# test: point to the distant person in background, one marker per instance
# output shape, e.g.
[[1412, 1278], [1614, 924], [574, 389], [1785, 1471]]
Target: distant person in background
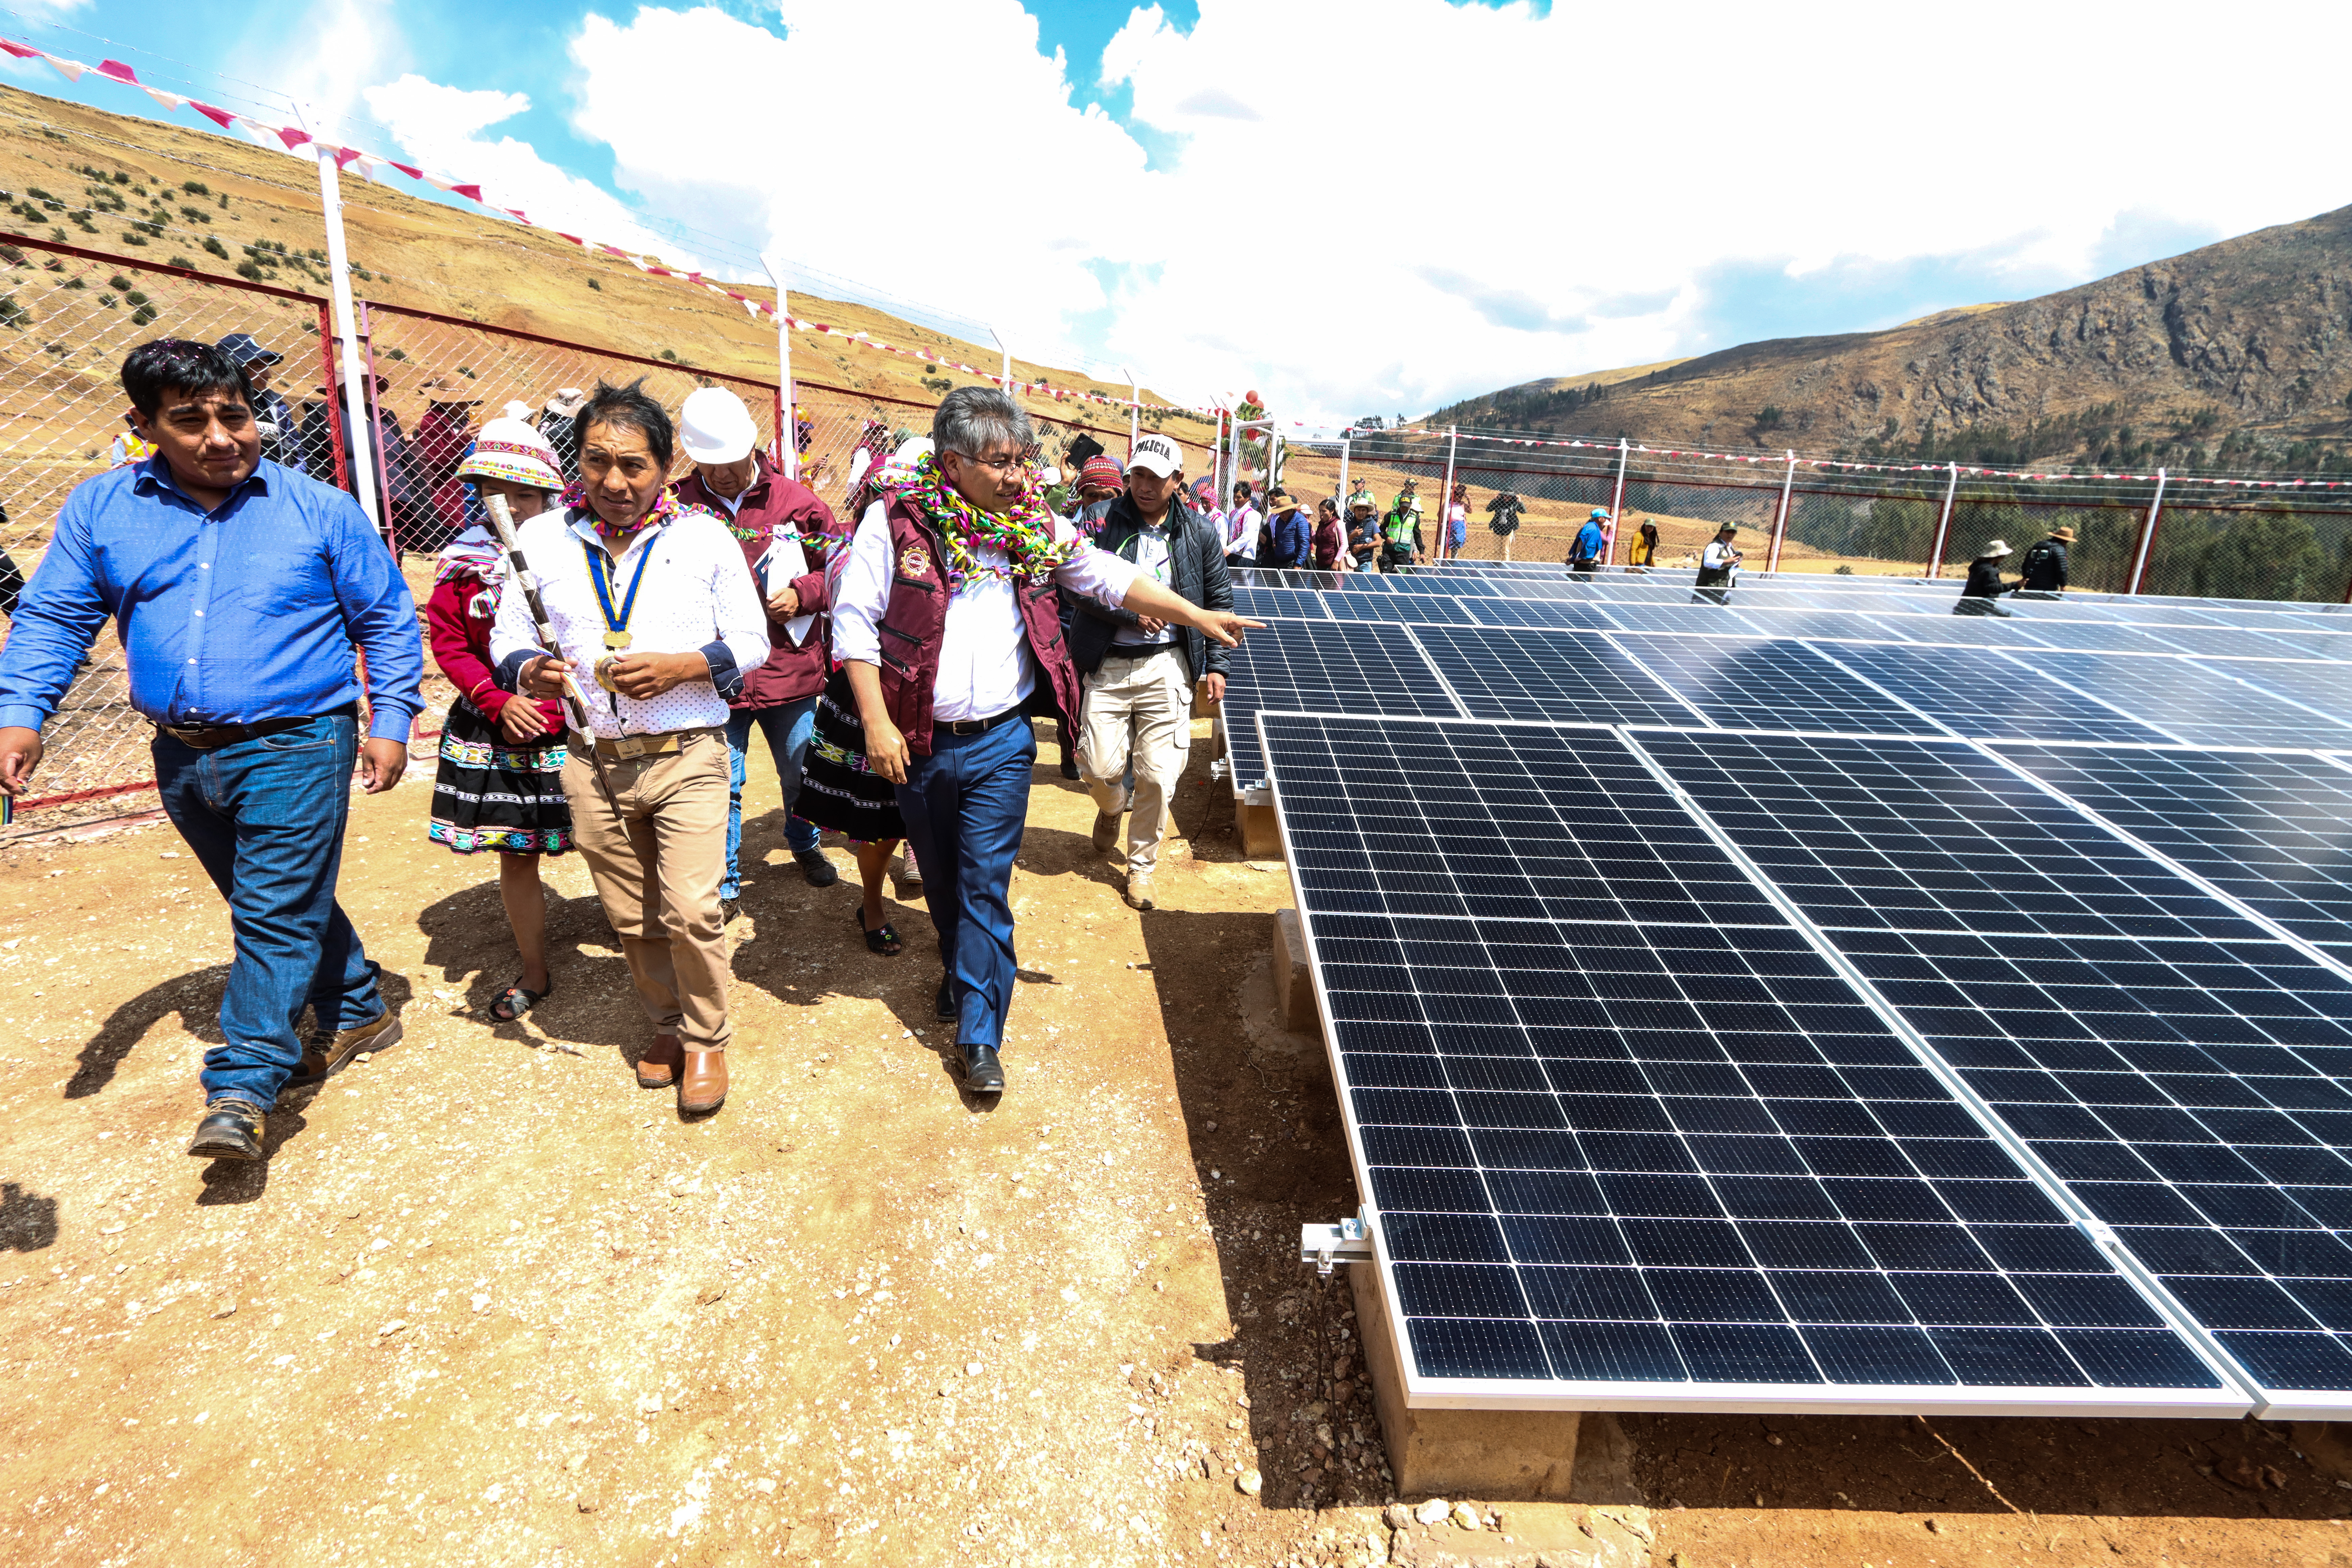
[[1292, 543], [1503, 514], [560, 423], [2044, 563], [1241, 521], [1980, 596], [1363, 492], [1591, 542], [787, 534], [1457, 523], [1363, 533], [242, 593], [1643, 550], [280, 434], [1101, 482], [500, 784], [129, 446], [1401, 532], [443, 436], [1329, 539], [1718, 568]]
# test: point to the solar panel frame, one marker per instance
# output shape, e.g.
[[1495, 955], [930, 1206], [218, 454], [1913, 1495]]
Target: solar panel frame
[[1703, 1305]]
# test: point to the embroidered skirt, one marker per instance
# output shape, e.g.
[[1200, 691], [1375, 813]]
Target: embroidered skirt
[[837, 792], [491, 793]]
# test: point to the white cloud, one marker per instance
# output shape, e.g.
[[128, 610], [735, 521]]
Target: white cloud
[[441, 128], [1362, 206]]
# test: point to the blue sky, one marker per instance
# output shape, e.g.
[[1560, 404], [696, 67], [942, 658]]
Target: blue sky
[[1357, 205]]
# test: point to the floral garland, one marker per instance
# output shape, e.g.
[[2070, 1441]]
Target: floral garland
[[1025, 532], [666, 510]]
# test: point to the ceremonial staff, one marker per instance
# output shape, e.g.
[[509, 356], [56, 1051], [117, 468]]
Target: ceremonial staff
[[519, 573]]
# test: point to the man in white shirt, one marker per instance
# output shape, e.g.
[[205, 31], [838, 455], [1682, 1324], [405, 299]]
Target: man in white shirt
[[1241, 527], [1718, 567], [655, 600], [946, 618]]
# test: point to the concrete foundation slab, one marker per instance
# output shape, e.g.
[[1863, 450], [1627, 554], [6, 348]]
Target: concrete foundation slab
[[1502, 1455], [1294, 987]]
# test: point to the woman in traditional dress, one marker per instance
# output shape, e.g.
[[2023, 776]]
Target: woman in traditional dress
[[836, 790], [500, 783]]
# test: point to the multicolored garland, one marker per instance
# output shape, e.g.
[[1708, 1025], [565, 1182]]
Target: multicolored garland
[[668, 508], [1025, 532]]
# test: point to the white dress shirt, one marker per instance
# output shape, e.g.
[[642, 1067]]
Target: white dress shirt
[[695, 591], [1241, 533], [985, 663]]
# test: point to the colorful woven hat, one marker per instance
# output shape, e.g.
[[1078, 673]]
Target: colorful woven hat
[[1100, 473], [511, 450]]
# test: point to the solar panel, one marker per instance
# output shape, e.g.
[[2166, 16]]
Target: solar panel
[[2171, 1063], [2200, 706], [2224, 642], [1755, 683], [1398, 608], [1545, 675], [1512, 611], [2052, 632], [2272, 828], [1810, 623], [1980, 693], [2325, 688], [1291, 604], [1330, 666], [1625, 1139], [1682, 618]]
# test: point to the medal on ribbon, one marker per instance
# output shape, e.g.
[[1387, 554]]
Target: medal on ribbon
[[616, 625]]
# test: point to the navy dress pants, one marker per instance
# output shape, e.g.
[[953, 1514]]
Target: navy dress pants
[[965, 805]]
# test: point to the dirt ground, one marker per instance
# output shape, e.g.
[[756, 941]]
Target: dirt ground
[[489, 1302]]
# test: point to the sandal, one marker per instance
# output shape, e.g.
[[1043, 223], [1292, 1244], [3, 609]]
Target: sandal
[[517, 999], [881, 939]]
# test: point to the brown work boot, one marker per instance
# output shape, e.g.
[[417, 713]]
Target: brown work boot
[[657, 1069], [1105, 834], [703, 1090], [327, 1057]]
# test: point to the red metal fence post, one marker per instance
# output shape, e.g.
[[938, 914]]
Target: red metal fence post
[[326, 369], [2147, 537]]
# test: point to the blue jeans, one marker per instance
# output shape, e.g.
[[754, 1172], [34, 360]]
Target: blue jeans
[[265, 818], [965, 805], [789, 730]]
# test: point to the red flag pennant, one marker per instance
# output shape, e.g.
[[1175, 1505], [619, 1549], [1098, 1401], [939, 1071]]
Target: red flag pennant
[[291, 137], [19, 50], [118, 71], [344, 156], [412, 174], [472, 192], [220, 117]]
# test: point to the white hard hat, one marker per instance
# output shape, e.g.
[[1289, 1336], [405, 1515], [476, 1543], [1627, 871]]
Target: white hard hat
[[714, 426]]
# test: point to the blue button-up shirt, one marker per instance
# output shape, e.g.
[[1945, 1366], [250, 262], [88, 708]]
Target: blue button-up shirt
[[230, 616]]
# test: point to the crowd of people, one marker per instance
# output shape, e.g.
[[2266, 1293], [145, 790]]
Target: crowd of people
[[615, 639]]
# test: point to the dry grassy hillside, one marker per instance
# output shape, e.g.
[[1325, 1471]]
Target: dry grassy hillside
[[2232, 355], [428, 256]]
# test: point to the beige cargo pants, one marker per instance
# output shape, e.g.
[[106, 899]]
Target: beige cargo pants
[[1140, 709]]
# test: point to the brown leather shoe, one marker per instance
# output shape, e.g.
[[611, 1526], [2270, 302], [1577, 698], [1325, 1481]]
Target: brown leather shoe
[[657, 1069], [703, 1089]]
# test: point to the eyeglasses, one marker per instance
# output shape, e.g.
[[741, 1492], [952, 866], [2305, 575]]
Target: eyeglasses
[[995, 465]]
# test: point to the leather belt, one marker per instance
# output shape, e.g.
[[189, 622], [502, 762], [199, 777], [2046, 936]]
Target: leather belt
[[212, 737], [977, 726], [1139, 649], [632, 748]]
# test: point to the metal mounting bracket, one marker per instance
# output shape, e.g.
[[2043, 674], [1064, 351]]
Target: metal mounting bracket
[[1350, 1241]]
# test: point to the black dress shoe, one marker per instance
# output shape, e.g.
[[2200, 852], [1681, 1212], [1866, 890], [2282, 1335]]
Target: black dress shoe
[[231, 1130], [945, 1003], [982, 1073], [820, 871]]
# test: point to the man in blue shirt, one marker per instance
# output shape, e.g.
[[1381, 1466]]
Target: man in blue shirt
[[1584, 554], [239, 589]]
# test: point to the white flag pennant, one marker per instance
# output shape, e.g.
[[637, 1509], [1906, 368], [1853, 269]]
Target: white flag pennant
[[169, 102], [70, 69]]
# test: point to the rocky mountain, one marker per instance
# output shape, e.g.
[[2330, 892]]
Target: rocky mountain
[[2238, 355]]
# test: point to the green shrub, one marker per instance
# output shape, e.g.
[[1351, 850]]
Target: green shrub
[[119, 281], [144, 314], [12, 314], [213, 244], [195, 187]]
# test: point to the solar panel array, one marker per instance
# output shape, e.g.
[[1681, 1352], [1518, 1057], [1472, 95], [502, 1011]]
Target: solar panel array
[[1823, 1001]]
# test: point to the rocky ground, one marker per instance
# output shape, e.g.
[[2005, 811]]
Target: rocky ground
[[488, 1301]]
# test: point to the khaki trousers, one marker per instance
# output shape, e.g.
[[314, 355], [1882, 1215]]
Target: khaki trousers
[[1142, 708], [656, 867]]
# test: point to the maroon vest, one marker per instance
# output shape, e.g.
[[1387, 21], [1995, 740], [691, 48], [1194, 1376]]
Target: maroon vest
[[917, 615]]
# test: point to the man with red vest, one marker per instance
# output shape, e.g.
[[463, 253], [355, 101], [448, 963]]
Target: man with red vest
[[946, 618], [787, 534]]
